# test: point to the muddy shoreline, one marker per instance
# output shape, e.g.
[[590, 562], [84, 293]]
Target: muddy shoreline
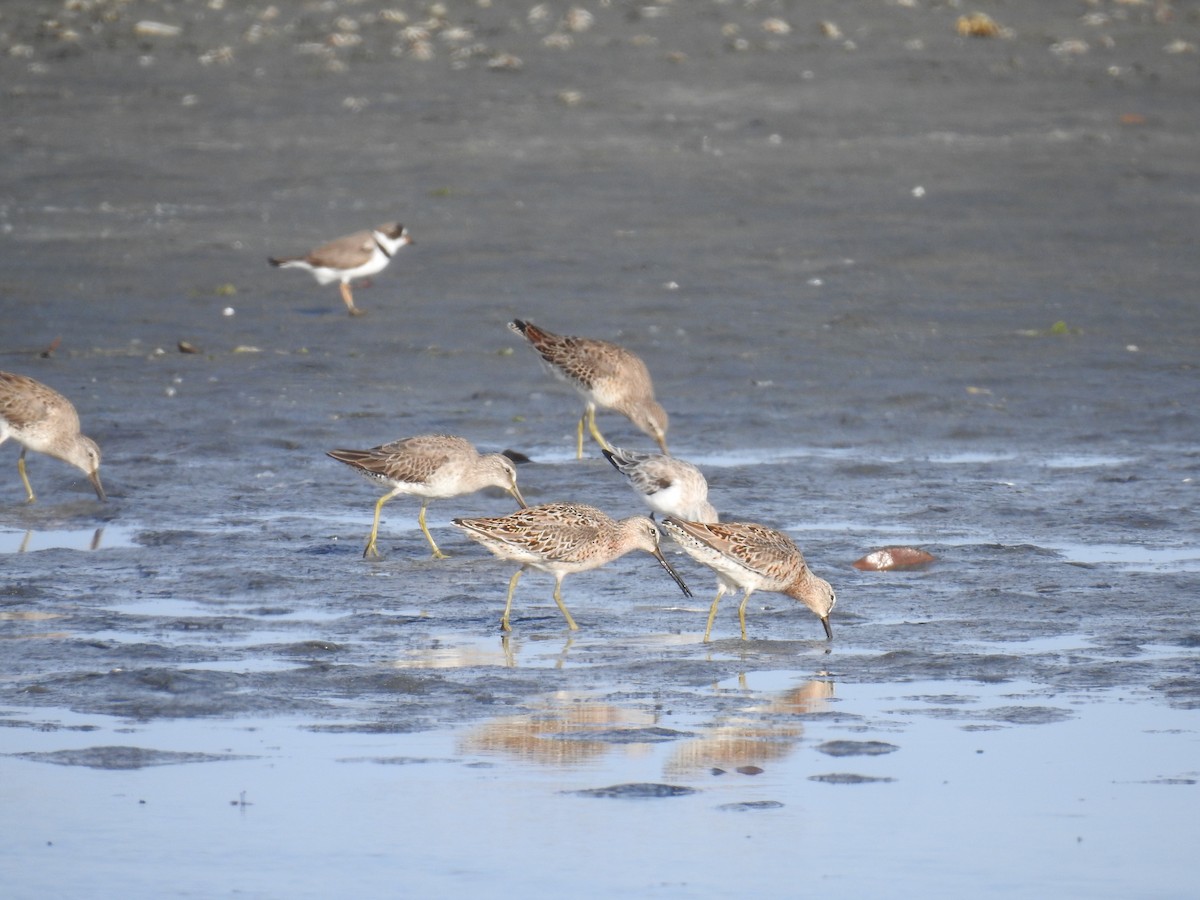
[[895, 286]]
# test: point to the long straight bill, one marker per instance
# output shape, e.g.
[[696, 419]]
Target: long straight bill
[[662, 561]]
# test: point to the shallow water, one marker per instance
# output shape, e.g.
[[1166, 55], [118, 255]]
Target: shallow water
[[206, 691], [104, 537], [1028, 787]]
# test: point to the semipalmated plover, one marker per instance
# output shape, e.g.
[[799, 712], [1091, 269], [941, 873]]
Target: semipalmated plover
[[353, 256]]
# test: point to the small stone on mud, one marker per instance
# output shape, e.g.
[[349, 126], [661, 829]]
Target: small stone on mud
[[750, 806], [856, 748], [120, 758], [979, 24], [849, 778], [147, 28], [636, 791], [652, 735]]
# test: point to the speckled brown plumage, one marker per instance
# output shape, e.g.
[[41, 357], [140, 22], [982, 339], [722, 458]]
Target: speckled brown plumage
[[562, 538], [431, 466], [755, 558], [606, 375], [40, 418]]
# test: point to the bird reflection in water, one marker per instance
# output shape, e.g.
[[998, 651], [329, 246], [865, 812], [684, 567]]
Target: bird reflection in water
[[570, 729], [757, 734], [53, 540], [566, 729]]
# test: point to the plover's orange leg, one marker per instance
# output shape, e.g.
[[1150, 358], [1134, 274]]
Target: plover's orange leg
[[348, 299]]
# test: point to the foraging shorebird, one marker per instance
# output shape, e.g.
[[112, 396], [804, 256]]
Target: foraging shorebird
[[430, 466], [40, 418], [353, 256], [669, 486], [754, 558], [563, 538], [606, 375]]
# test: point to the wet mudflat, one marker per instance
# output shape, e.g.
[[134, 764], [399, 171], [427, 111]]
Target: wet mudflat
[[895, 286]]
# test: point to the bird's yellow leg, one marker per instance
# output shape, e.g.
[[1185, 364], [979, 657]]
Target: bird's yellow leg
[[712, 614], [437, 554], [579, 436], [599, 438], [371, 549], [512, 588], [742, 613], [25, 478], [563, 607]]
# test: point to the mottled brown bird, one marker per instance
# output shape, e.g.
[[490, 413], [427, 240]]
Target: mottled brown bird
[[606, 375], [755, 558], [562, 538], [40, 418], [430, 466]]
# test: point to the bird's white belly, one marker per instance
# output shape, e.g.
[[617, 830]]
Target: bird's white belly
[[375, 264]]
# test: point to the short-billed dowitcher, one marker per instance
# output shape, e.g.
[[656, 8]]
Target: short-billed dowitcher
[[606, 375], [753, 557], [430, 466], [40, 418], [353, 256], [669, 485], [563, 538]]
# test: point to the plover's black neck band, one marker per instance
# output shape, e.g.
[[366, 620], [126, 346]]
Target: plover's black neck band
[[380, 245]]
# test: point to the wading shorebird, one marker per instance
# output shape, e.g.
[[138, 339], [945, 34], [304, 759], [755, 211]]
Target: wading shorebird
[[606, 375], [430, 466], [40, 418], [353, 256], [563, 538], [669, 486], [755, 558]]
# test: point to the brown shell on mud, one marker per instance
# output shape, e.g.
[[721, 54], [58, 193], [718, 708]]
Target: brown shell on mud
[[893, 558]]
